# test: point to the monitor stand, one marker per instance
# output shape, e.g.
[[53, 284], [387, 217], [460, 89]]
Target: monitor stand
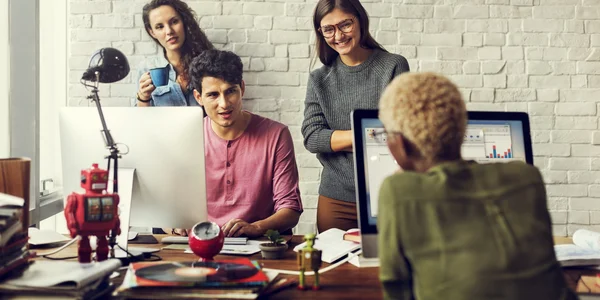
[[363, 262], [126, 177]]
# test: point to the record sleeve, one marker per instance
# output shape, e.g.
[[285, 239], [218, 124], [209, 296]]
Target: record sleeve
[[233, 273], [196, 272]]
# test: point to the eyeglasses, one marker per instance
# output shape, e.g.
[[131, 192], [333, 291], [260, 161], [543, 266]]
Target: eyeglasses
[[344, 26]]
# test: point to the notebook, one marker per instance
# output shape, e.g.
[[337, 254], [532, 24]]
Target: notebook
[[585, 250], [332, 244]]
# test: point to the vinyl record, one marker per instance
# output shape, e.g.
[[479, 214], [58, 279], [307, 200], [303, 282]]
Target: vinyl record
[[198, 272]]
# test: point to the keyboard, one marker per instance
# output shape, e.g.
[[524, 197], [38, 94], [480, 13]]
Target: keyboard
[[185, 240]]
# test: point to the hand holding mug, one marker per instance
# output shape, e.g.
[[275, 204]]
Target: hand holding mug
[[146, 87]]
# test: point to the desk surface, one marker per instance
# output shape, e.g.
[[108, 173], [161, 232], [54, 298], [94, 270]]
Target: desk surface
[[343, 282]]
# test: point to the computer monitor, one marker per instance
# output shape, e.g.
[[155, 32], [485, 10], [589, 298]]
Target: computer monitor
[[490, 137], [164, 145]]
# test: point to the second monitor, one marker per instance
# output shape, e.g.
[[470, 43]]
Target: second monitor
[[489, 137], [165, 146]]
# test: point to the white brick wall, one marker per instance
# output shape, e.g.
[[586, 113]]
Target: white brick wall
[[538, 56]]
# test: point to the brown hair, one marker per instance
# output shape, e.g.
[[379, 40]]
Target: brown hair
[[327, 55], [428, 110], [195, 40]]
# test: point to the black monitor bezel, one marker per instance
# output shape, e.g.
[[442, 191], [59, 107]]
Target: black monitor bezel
[[359, 168], [358, 148], [508, 116]]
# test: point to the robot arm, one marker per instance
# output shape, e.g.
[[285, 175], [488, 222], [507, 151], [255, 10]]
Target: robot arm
[[70, 210]]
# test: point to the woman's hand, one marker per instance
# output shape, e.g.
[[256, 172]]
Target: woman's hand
[[341, 140], [146, 87]]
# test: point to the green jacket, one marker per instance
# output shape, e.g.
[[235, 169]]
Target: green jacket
[[468, 231]]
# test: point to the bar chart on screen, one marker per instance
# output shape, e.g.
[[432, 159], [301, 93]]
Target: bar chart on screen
[[498, 141], [488, 142]]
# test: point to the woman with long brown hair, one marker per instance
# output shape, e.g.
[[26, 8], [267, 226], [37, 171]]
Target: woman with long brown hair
[[355, 71], [173, 26]]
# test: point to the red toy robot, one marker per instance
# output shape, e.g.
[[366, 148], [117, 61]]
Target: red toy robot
[[93, 213]]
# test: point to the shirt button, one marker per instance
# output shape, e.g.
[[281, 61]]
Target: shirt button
[[228, 182], [228, 164], [228, 144]]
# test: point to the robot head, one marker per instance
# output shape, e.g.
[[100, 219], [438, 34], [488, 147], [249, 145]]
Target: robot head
[[94, 179], [310, 239]]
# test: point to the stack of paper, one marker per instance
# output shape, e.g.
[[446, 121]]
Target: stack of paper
[[13, 238], [62, 279], [585, 249], [223, 279], [332, 244]]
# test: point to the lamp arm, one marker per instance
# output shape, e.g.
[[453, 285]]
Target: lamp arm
[[114, 153], [108, 139]]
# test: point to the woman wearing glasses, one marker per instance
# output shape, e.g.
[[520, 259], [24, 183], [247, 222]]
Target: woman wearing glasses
[[355, 71], [172, 25]]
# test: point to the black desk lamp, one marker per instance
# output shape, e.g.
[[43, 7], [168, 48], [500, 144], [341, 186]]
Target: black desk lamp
[[107, 65]]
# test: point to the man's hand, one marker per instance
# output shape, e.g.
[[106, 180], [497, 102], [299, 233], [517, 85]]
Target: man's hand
[[176, 231], [238, 227]]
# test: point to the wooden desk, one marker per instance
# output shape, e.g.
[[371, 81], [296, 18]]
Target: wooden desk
[[573, 274], [343, 282]]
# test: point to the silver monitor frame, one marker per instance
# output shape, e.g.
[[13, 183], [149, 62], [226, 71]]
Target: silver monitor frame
[[165, 146]]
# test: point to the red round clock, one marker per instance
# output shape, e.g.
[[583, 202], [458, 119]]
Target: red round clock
[[206, 240]]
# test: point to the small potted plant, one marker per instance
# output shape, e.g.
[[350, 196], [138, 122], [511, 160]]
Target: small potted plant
[[276, 246]]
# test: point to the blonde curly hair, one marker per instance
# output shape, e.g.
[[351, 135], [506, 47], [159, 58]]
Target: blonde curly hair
[[428, 110]]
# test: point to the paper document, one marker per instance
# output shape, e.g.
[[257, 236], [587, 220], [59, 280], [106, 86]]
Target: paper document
[[43, 273], [9, 200], [39, 237], [185, 240], [587, 239], [131, 235], [250, 248], [333, 245], [585, 249], [176, 247]]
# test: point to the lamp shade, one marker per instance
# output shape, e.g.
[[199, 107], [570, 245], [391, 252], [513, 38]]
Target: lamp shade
[[110, 63]]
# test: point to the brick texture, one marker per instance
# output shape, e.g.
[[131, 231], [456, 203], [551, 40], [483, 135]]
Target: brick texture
[[508, 55]]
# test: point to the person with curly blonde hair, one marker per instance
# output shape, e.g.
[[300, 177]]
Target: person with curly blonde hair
[[456, 229]]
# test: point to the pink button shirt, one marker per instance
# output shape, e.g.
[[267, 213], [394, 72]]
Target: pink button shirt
[[253, 176]]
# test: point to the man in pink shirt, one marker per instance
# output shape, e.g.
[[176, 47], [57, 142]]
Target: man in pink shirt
[[251, 172]]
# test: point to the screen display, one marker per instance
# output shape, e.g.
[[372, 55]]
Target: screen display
[[494, 141], [485, 141]]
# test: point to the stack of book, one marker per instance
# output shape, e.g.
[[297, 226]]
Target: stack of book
[[14, 252], [352, 235], [223, 279], [62, 280], [584, 251]]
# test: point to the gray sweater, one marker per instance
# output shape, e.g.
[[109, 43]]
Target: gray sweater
[[332, 93]]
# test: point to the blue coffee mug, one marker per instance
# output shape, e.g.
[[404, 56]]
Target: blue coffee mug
[[159, 76]]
